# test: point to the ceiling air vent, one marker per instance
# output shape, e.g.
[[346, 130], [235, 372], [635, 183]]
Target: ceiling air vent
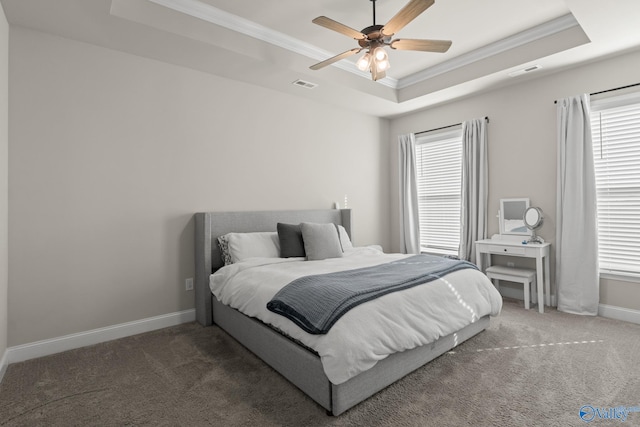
[[303, 83], [526, 70]]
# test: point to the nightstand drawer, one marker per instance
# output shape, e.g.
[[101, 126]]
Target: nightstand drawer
[[507, 250]]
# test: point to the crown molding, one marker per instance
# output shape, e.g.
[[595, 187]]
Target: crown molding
[[538, 32], [208, 13]]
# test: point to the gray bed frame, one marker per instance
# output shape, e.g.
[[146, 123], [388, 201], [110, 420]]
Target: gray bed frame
[[300, 366]]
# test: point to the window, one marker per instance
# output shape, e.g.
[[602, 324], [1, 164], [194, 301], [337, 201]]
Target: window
[[615, 125], [439, 170]]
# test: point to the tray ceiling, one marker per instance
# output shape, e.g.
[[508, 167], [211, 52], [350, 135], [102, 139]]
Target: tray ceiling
[[272, 43]]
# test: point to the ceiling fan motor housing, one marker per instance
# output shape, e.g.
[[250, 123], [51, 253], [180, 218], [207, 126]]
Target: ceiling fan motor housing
[[374, 34]]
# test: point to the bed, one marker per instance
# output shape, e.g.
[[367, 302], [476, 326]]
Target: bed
[[301, 364]]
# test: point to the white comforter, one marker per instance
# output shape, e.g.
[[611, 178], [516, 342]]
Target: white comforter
[[371, 331]]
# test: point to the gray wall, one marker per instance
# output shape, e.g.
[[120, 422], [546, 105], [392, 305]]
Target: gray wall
[[4, 175], [111, 154], [522, 144]]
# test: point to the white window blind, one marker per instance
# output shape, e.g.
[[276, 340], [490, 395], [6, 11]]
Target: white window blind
[[439, 170], [615, 125]]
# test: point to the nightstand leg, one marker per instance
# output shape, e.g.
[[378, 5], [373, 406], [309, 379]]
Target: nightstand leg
[[539, 284], [547, 280]]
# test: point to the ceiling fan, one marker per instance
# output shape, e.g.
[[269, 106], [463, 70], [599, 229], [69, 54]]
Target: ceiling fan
[[375, 37]]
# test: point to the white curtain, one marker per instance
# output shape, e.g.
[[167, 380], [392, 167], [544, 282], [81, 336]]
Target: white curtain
[[475, 187], [577, 273], [409, 218]]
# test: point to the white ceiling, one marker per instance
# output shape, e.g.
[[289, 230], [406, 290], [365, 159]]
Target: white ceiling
[[272, 43]]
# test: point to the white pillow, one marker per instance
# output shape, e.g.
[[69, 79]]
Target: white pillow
[[250, 245], [344, 238]]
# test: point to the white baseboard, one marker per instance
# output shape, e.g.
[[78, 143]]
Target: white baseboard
[[619, 313], [32, 350], [69, 342], [4, 363], [604, 310]]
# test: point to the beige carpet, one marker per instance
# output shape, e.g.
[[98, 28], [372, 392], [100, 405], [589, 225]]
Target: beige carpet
[[527, 369]]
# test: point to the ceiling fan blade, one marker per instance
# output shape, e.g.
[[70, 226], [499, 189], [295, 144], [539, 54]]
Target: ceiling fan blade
[[421, 45], [329, 23], [406, 15], [335, 58]]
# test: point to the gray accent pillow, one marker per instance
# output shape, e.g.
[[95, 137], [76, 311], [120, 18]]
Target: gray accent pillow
[[321, 241], [291, 243]]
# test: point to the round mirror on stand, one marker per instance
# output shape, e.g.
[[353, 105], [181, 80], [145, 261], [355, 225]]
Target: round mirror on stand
[[533, 220]]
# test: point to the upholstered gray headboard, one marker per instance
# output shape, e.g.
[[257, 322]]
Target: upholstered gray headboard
[[210, 225]]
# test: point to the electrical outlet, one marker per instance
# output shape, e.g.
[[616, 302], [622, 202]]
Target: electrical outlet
[[188, 284], [511, 264]]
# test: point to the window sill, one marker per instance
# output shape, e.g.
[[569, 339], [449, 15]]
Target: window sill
[[622, 277], [432, 251]]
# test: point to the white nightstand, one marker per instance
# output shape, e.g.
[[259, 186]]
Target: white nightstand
[[539, 251]]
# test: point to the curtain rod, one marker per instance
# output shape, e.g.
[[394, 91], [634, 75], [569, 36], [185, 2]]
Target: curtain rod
[[444, 127], [610, 90]]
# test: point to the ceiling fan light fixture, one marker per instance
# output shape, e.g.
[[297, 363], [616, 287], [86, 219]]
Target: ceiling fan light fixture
[[380, 54], [364, 62], [382, 66], [380, 59]]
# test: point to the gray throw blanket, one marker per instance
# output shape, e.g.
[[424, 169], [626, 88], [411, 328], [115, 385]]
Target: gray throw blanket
[[316, 302]]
